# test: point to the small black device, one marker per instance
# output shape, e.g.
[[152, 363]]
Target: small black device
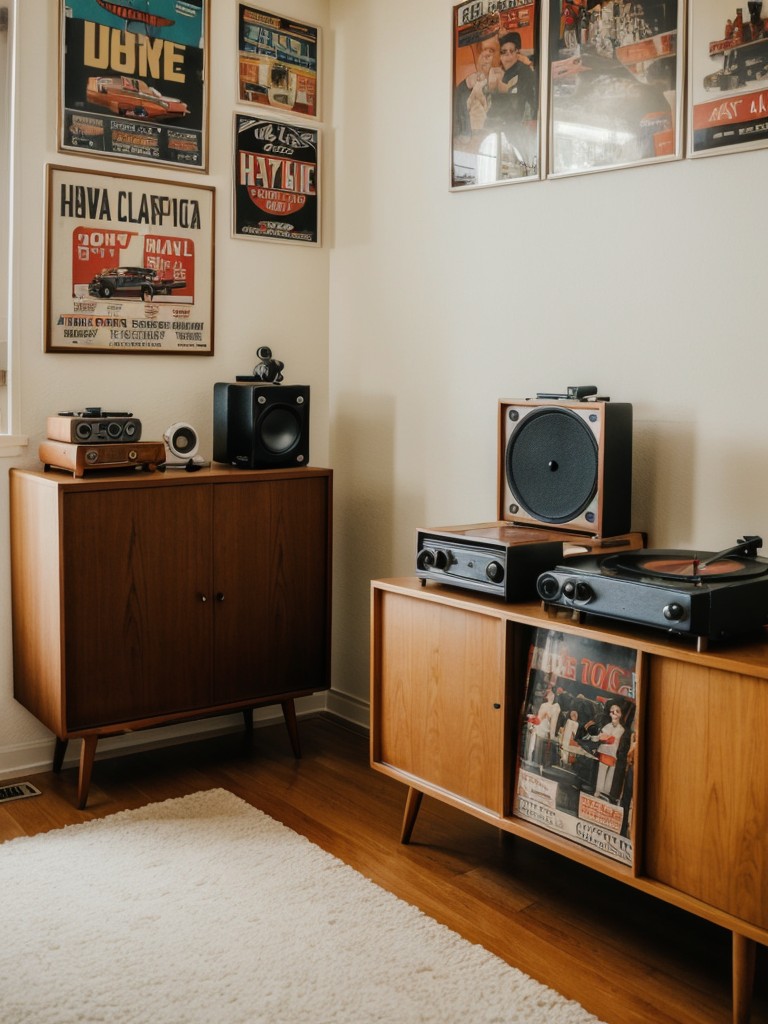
[[92, 426], [573, 394], [261, 425]]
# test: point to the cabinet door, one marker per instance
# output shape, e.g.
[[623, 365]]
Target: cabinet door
[[438, 701], [271, 587], [137, 633]]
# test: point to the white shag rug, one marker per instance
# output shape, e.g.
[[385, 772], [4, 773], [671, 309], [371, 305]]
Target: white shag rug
[[204, 910]]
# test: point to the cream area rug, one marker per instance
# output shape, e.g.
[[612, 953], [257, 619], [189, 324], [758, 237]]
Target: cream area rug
[[204, 910]]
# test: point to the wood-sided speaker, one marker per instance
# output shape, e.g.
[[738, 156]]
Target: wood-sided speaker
[[566, 464], [261, 426]]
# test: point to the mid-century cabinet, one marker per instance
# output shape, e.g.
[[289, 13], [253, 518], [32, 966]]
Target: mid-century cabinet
[[448, 682], [141, 599]]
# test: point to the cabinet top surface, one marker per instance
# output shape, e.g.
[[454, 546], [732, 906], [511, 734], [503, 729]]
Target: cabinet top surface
[[215, 474], [749, 657]]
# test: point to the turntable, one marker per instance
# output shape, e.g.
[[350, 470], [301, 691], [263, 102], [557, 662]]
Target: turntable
[[700, 594]]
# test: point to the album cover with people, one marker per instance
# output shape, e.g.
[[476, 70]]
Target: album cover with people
[[576, 760]]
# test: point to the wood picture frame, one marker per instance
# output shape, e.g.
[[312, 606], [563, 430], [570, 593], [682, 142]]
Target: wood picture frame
[[278, 63], [135, 88], [129, 264]]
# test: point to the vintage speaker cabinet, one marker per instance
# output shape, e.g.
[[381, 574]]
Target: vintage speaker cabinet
[[448, 675], [141, 599]]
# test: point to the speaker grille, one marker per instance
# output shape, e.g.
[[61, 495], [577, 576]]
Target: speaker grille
[[551, 464]]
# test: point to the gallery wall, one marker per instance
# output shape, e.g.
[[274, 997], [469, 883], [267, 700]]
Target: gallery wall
[[273, 294]]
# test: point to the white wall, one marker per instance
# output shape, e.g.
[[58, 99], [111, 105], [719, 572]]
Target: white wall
[[647, 282], [271, 294]]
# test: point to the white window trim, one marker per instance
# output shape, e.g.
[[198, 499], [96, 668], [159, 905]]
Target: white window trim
[[11, 443]]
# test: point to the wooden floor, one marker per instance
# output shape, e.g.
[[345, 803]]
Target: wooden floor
[[627, 958]]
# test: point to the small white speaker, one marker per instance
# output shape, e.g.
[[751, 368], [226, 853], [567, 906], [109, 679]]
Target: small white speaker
[[181, 445]]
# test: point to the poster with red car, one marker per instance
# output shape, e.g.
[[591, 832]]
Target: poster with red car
[[276, 184], [133, 80], [129, 264]]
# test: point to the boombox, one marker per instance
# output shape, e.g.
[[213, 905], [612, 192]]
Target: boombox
[[261, 426], [94, 427], [567, 465]]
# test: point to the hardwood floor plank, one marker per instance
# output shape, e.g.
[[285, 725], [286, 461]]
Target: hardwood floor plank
[[626, 957]]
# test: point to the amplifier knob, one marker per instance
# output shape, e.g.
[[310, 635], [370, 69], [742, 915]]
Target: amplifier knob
[[495, 572], [548, 587], [432, 558], [569, 589], [91, 456], [674, 612], [583, 591], [114, 430]]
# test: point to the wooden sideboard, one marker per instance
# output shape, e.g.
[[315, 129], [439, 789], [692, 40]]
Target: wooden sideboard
[[141, 599], [448, 682]]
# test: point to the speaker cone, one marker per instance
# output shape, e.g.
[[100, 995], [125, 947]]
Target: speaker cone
[[551, 465], [280, 429]]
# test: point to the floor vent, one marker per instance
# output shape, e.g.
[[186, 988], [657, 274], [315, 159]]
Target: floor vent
[[18, 791]]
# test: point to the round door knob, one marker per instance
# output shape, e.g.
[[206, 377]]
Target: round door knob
[[674, 611], [219, 596], [203, 598]]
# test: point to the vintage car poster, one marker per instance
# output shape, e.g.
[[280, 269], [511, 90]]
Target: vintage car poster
[[575, 772], [277, 62], [133, 80], [129, 264], [616, 84], [495, 136], [728, 62], [276, 189]]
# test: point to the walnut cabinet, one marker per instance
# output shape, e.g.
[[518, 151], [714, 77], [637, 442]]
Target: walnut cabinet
[[448, 673], [142, 599]]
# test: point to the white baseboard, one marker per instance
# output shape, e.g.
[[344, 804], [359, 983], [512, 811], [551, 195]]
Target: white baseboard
[[37, 756]]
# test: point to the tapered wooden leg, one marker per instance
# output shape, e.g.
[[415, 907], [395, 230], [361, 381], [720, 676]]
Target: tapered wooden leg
[[87, 755], [289, 713], [412, 805], [743, 978], [58, 754]]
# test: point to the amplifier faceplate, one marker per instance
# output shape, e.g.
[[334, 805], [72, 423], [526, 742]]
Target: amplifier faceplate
[[501, 558], [81, 457]]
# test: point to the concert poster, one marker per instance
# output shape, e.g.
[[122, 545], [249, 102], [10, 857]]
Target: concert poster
[[276, 183], [576, 759], [129, 265], [496, 93], [133, 80], [615, 84], [277, 62], [728, 63]]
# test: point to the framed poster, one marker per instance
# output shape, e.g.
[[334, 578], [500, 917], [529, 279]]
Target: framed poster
[[133, 80], [129, 264], [575, 772], [495, 135], [615, 84], [276, 186], [277, 62], [728, 61]]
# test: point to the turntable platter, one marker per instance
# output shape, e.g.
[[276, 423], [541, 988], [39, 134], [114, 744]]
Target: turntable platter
[[737, 562]]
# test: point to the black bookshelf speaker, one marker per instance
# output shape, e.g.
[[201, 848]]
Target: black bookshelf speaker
[[261, 426], [566, 465]]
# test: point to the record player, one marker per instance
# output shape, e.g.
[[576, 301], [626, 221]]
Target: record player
[[705, 595]]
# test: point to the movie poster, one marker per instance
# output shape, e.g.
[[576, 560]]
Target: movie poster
[[728, 64], [496, 92], [616, 84], [129, 265], [133, 80], [277, 62], [576, 764], [276, 190]]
